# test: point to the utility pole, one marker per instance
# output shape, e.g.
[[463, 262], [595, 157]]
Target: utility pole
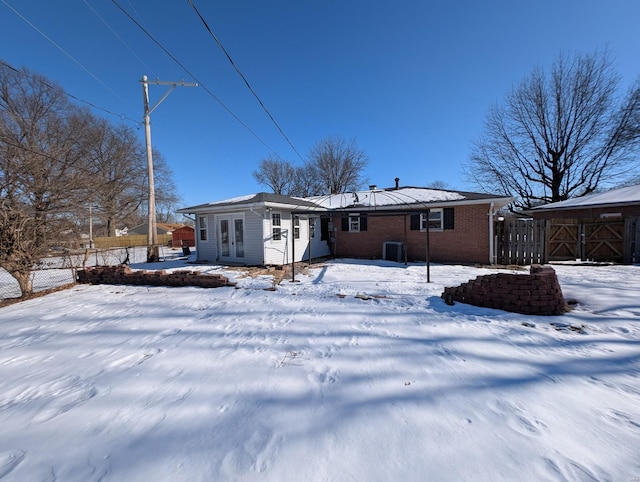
[[152, 237]]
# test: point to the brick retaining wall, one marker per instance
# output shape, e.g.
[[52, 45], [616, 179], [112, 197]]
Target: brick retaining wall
[[123, 275], [536, 293]]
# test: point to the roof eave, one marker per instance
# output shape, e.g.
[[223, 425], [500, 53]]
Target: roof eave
[[544, 209], [497, 202]]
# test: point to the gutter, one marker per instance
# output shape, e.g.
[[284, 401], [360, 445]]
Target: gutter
[[491, 246]]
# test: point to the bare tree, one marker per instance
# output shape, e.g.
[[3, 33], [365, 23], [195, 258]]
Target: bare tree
[[18, 235], [167, 198], [560, 135], [437, 184], [118, 174], [56, 160], [41, 152], [306, 182], [334, 166], [277, 174], [337, 165]]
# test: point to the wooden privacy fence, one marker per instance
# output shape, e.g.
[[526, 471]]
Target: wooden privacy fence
[[128, 241], [521, 241]]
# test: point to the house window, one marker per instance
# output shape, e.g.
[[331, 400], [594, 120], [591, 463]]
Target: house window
[[296, 227], [435, 220], [439, 220], [202, 223], [354, 223], [276, 227]]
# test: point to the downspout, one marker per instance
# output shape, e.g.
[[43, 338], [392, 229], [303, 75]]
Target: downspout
[[491, 242]]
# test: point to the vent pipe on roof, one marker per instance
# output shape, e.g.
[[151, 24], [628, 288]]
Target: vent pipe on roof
[[397, 180]]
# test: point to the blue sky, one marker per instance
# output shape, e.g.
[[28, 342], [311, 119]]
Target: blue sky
[[410, 81]]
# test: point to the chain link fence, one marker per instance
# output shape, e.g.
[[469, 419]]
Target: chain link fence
[[57, 271]]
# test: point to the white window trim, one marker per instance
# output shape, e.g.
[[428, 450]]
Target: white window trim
[[272, 226], [205, 229], [357, 221], [296, 226], [423, 224]]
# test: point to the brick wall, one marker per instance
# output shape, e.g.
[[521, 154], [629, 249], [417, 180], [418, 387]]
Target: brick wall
[[123, 275], [468, 242], [536, 293]]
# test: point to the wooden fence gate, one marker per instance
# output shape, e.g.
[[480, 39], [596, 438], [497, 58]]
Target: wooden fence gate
[[524, 242], [587, 240], [521, 241]]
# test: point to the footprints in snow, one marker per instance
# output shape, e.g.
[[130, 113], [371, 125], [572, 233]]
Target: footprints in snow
[[10, 460], [254, 455], [129, 361], [322, 376], [64, 394], [518, 418], [53, 398]]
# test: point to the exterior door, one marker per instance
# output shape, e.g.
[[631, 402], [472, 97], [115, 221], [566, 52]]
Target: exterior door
[[231, 238]]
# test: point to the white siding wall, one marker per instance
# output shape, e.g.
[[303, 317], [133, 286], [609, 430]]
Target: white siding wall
[[279, 252], [259, 247], [253, 236], [319, 248], [276, 251], [206, 250]]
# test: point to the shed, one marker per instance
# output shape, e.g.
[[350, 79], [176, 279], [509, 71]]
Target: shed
[[184, 236], [599, 227]]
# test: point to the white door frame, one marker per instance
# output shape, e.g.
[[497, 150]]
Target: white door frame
[[231, 238]]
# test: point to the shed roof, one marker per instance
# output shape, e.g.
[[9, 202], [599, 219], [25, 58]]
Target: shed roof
[[615, 197]]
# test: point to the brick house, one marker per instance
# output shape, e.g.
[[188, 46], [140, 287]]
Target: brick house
[[375, 223], [392, 224]]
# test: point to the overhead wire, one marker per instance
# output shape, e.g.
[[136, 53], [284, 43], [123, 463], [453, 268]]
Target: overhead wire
[[183, 67], [77, 62], [242, 76], [90, 104], [95, 12]]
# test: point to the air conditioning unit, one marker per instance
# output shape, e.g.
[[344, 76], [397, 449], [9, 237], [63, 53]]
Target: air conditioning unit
[[393, 251]]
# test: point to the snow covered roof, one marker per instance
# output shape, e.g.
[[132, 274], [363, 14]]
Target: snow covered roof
[[615, 197], [259, 198], [372, 199], [379, 198], [401, 198]]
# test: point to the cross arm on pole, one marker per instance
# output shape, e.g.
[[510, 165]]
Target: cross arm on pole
[[152, 238]]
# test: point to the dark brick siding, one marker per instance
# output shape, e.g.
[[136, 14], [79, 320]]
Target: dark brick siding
[[468, 242]]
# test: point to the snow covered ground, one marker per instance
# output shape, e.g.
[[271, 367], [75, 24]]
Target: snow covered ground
[[359, 372]]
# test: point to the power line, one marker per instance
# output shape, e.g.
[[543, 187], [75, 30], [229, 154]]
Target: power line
[[107, 111], [233, 64], [63, 51], [204, 87], [116, 34]]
